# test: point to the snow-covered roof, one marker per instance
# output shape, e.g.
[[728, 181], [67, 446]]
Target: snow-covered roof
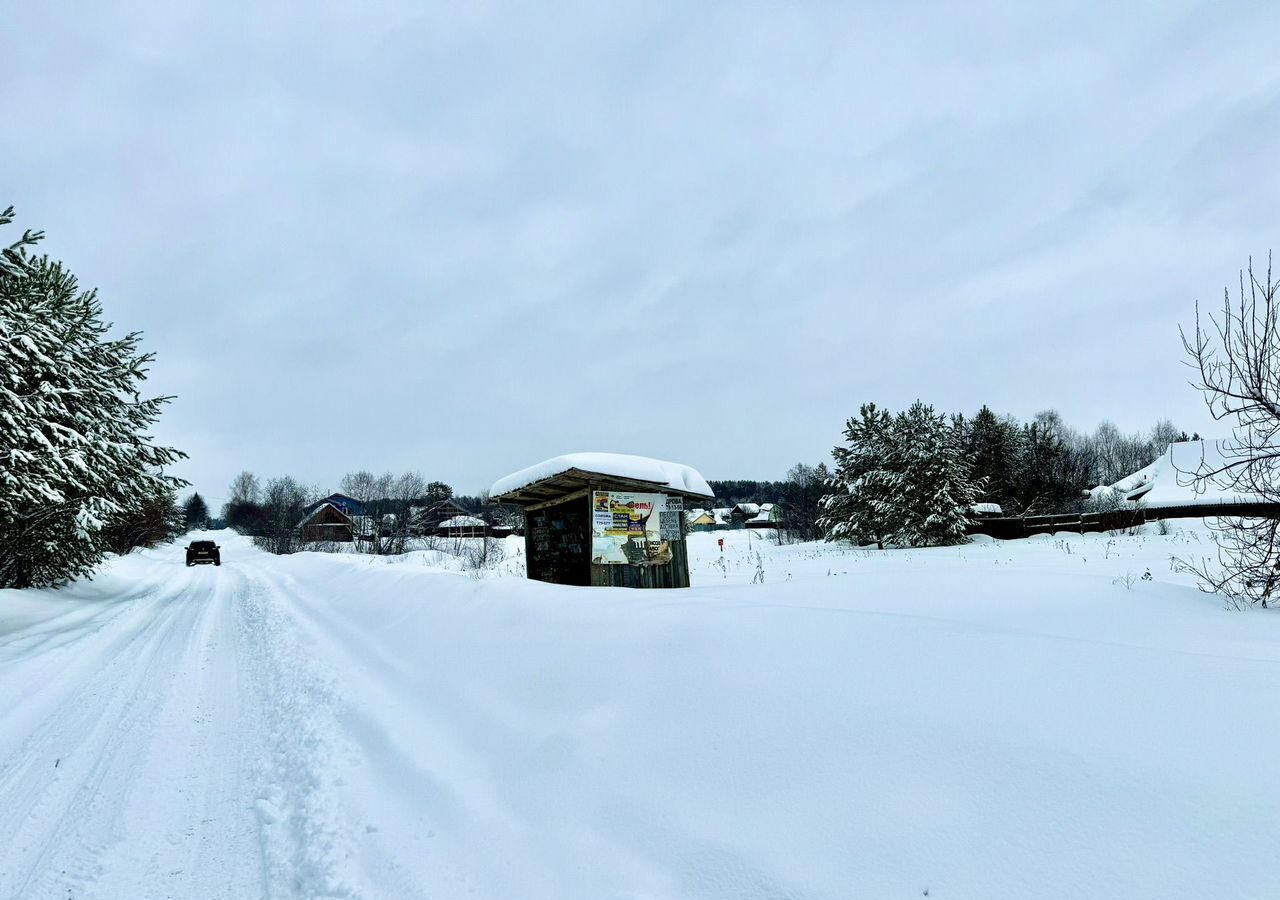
[[315, 511], [749, 509], [989, 508], [619, 465], [462, 522], [340, 502], [1132, 486], [1173, 479]]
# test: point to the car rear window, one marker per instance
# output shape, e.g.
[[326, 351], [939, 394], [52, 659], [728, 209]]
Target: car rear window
[[202, 545]]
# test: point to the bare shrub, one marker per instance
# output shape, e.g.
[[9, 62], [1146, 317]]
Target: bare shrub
[[323, 546], [1127, 581], [481, 556], [1236, 356]]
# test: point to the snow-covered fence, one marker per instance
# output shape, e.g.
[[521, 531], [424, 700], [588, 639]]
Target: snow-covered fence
[[1014, 527]]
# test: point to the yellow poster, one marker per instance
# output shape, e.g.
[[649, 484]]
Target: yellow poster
[[633, 529]]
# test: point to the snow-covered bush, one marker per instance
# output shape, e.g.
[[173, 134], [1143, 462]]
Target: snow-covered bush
[[1104, 499], [75, 454]]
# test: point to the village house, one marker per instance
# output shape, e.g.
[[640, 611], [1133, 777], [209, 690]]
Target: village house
[[698, 520], [349, 506], [326, 522], [768, 515], [463, 526], [743, 513], [426, 520]]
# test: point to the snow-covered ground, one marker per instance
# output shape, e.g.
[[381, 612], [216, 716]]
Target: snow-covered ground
[[1000, 720]]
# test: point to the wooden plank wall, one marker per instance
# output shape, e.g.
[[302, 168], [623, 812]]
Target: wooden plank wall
[[557, 543], [674, 574]]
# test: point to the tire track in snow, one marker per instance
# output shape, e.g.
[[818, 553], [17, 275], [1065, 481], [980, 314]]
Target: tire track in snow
[[59, 819], [418, 806], [198, 749], [307, 837], [43, 666], [190, 829]]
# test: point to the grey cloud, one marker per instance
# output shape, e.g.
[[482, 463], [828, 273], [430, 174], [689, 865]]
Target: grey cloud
[[398, 235]]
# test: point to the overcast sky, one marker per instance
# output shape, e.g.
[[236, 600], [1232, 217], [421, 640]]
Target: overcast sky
[[465, 238]]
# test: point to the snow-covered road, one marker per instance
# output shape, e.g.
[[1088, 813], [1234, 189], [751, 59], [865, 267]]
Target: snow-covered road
[[1011, 720], [123, 758], [161, 740]]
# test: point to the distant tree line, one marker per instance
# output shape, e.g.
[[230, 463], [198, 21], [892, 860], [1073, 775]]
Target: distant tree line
[[271, 511], [744, 490], [1044, 466], [799, 496]]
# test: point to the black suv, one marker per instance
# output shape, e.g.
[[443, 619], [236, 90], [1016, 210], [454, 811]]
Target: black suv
[[203, 552]]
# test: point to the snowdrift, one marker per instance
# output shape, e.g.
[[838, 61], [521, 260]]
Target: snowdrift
[[997, 720]]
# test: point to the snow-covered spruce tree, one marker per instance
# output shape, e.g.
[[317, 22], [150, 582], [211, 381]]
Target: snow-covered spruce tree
[[195, 512], [993, 448], [74, 452], [936, 488], [902, 480], [863, 493]]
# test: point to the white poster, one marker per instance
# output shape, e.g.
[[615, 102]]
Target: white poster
[[634, 529]]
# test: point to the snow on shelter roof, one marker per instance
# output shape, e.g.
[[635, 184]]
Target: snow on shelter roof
[[656, 472]]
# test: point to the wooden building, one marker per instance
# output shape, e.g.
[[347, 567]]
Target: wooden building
[[743, 513], [326, 522], [605, 519], [427, 519], [349, 506], [697, 520], [768, 515], [463, 526]]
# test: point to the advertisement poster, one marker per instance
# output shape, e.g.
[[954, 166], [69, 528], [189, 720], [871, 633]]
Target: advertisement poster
[[634, 529]]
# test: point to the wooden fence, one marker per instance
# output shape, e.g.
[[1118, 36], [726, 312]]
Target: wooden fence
[[1014, 527]]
